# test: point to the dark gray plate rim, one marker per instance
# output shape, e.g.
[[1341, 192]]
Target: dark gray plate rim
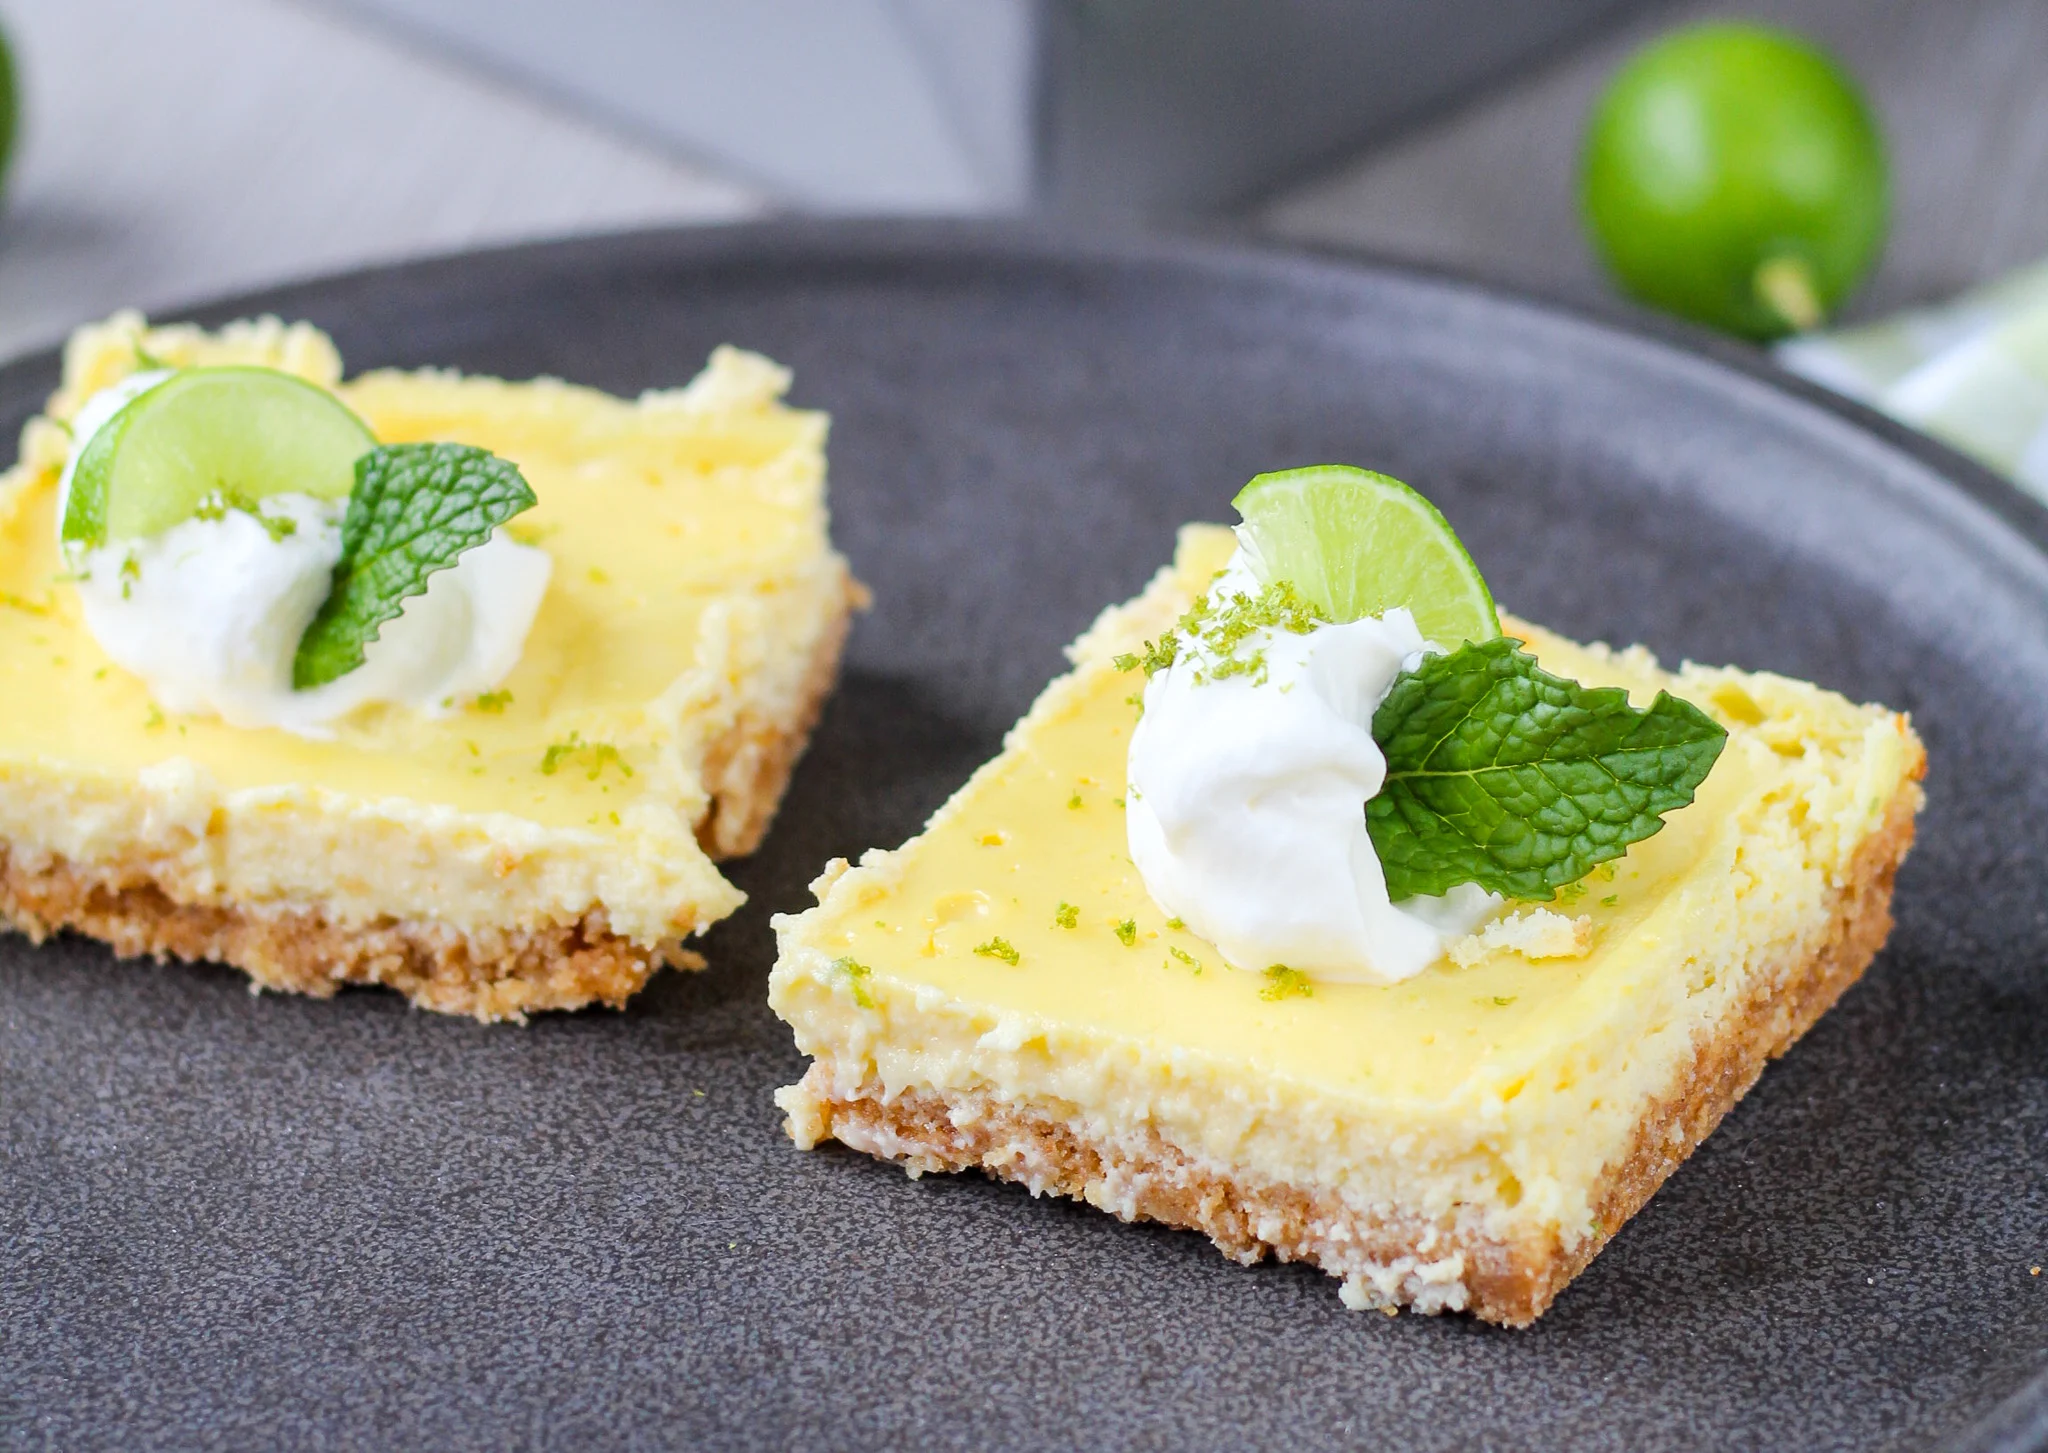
[[1984, 505]]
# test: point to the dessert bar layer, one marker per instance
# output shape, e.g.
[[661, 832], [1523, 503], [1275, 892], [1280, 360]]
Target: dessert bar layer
[[1002, 993]]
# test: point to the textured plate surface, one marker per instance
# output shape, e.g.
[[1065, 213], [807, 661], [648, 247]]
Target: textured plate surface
[[231, 1220]]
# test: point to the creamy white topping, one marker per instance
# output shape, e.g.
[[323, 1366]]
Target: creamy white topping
[[1246, 811], [209, 613]]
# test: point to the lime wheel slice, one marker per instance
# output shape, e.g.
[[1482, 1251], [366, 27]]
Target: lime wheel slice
[[239, 434], [1358, 544]]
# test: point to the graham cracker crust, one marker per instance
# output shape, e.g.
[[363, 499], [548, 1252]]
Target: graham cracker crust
[[489, 974], [1386, 1262]]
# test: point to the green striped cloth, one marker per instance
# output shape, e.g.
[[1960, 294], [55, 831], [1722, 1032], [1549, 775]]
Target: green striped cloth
[[1972, 372]]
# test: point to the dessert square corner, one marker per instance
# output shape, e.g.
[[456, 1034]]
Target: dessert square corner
[[1001, 993], [546, 846]]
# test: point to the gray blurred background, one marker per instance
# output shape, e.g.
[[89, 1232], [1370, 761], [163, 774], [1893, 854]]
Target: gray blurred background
[[177, 149]]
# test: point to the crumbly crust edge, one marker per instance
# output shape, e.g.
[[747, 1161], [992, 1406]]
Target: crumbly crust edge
[[1385, 1262], [488, 974]]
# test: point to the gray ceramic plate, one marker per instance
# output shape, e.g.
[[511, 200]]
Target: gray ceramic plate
[[246, 1221]]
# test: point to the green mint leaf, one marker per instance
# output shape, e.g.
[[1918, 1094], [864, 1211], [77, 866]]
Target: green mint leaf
[[1501, 774], [415, 509]]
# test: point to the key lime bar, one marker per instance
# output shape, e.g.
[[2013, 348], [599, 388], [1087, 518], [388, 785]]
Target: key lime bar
[[1002, 993], [544, 846]]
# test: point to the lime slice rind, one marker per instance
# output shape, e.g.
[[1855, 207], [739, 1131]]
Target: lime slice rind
[[1358, 544], [241, 432], [83, 520]]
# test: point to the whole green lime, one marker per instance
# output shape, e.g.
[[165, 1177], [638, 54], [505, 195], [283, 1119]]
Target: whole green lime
[[10, 105], [1733, 174]]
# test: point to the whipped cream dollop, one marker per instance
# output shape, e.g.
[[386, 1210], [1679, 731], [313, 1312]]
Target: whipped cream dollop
[[1246, 813], [209, 613]]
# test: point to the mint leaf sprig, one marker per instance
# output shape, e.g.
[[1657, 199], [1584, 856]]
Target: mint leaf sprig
[[415, 509], [1501, 774]]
